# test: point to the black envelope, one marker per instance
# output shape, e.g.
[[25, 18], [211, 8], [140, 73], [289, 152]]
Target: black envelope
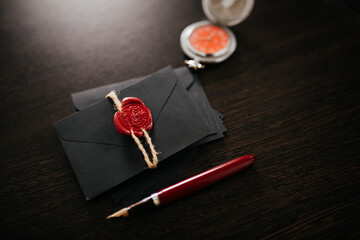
[[150, 181], [102, 158]]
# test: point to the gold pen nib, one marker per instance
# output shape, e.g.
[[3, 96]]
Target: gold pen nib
[[146, 202], [121, 213]]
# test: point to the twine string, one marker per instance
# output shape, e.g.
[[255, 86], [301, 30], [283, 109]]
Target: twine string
[[152, 148], [142, 149], [117, 103], [153, 164]]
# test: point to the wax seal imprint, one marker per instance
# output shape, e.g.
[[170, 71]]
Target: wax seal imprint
[[133, 115]]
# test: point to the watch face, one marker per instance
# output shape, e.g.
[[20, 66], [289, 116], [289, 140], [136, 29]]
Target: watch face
[[209, 39], [207, 43]]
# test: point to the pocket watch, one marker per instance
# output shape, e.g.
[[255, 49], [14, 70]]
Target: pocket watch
[[211, 41]]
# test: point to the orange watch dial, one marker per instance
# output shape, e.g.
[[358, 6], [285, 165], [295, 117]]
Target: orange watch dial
[[209, 39]]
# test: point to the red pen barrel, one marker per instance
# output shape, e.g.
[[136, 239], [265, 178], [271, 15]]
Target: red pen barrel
[[204, 179]]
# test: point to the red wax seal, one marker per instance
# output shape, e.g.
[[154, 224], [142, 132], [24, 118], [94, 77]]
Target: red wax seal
[[134, 115]]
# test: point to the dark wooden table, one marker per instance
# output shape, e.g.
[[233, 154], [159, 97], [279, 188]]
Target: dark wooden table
[[290, 95]]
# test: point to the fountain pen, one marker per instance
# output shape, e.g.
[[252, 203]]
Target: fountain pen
[[187, 186]]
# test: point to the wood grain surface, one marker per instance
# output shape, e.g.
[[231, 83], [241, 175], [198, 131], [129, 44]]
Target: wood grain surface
[[290, 94]]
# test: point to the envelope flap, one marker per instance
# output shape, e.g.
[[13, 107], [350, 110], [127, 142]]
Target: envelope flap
[[154, 91], [95, 123]]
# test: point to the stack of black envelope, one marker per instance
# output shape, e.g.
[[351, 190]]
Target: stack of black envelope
[[105, 161]]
